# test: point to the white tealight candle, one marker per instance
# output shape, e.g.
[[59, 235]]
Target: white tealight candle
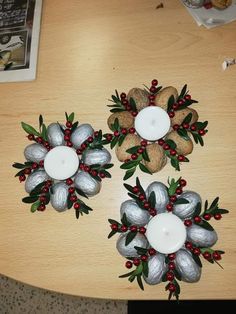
[[166, 233], [152, 123], [61, 162]]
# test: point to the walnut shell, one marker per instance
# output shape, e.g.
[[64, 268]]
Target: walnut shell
[[181, 114], [163, 96], [221, 4], [184, 147], [126, 120], [131, 140], [140, 96], [157, 158]]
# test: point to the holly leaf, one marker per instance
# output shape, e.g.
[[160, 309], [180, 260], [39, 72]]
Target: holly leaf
[[113, 232], [171, 143], [145, 155], [77, 213], [198, 209], [127, 275], [71, 117], [145, 269], [181, 201], [172, 186], [29, 129], [121, 139], [129, 164], [44, 132], [128, 187], [129, 238], [37, 189], [201, 125], [40, 121], [69, 202], [125, 221], [140, 250], [133, 150], [214, 203], [175, 163], [114, 141]]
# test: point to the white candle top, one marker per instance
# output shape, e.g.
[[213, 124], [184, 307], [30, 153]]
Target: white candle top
[[166, 233], [61, 162], [152, 123]]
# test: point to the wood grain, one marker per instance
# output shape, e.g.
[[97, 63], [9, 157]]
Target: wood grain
[[87, 49]]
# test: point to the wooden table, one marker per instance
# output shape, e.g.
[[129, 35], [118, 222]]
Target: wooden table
[[88, 49]]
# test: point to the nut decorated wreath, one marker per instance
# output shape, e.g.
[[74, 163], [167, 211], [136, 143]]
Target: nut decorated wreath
[[164, 231], [152, 125], [65, 163]]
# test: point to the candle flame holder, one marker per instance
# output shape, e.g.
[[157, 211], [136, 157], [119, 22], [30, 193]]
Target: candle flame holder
[[75, 164], [135, 236]]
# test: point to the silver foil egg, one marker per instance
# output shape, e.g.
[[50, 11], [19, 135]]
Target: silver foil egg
[[134, 213], [81, 134], [156, 269], [187, 267], [59, 197], [55, 135], [35, 152], [201, 237], [87, 184], [97, 156], [129, 250], [187, 210], [34, 179], [161, 194]]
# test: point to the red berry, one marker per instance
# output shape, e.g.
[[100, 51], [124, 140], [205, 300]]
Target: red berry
[[169, 207], [76, 205], [69, 181], [153, 89], [152, 211], [136, 261], [116, 133], [39, 140], [187, 97], [172, 256], [132, 130], [123, 95], [175, 127], [96, 133], [134, 113], [69, 144], [161, 142], [207, 216], [86, 168], [154, 82], [216, 255], [188, 222], [109, 137], [81, 166], [140, 150], [42, 198], [78, 151], [182, 182], [171, 265], [179, 191], [34, 165], [128, 107], [31, 137], [71, 190], [124, 131], [94, 173], [41, 163], [170, 276], [114, 227], [48, 183], [197, 219], [73, 198], [22, 178], [67, 132], [134, 156], [151, 252], [124, 228], [207, 255], [181, 158], [180, 102], [151, 97], [41, 207], [126, 160], [171, 114], [27, 171], [146, 205], [217, 216], [45, 189], [102, 175], [90, 139], [208, 5], [188, 245], [143, 143], [83, 146], [125, 102], [144, 258], [173, 198], [68, 124], [128, 264], [133, 228], [196, 251], [135, 189], [171, 287], [185, 125], [152, 103], [66, 137], [142, 230], [173, 152], [175, 106], [142, 197], [166, 146], [193, 127], [202, 132]]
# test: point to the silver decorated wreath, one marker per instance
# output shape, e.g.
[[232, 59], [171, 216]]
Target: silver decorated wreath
[[63, 182], [134, 242]]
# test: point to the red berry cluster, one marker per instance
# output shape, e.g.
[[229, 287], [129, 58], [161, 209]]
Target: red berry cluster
[[143, 258], [177, 105], [143, 199], [198, 219], [170, 276], [178, 191], [29, 169], [73, 197], [126, 104], [189, 127], [39, 140], [117, 133], [208, 255], [124, 228], [140, 150], [86, 143], [153, 91], [172, 152], [42, 196], [93, 172]]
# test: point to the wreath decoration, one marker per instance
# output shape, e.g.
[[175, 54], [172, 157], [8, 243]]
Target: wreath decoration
[[65, 163], [175, 143], [163, 250]]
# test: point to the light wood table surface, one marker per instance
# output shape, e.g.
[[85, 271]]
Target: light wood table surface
[[87, 50]]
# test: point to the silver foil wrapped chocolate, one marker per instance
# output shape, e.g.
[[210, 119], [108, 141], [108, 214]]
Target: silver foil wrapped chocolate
[[81, 134], [187, 267], [97, 156], [55, 135], [184, 211], [201, 237], [156, 269], [129, 250], [59, 197], [34, 179], [35, 152], [134, 213], [161, 194], [87, 184]]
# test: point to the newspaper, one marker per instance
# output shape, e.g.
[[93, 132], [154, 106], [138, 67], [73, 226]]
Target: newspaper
[[19, 39]]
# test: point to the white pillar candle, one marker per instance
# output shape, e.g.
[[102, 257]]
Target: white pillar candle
[[166, 233], [61, 162], [152, 123]]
